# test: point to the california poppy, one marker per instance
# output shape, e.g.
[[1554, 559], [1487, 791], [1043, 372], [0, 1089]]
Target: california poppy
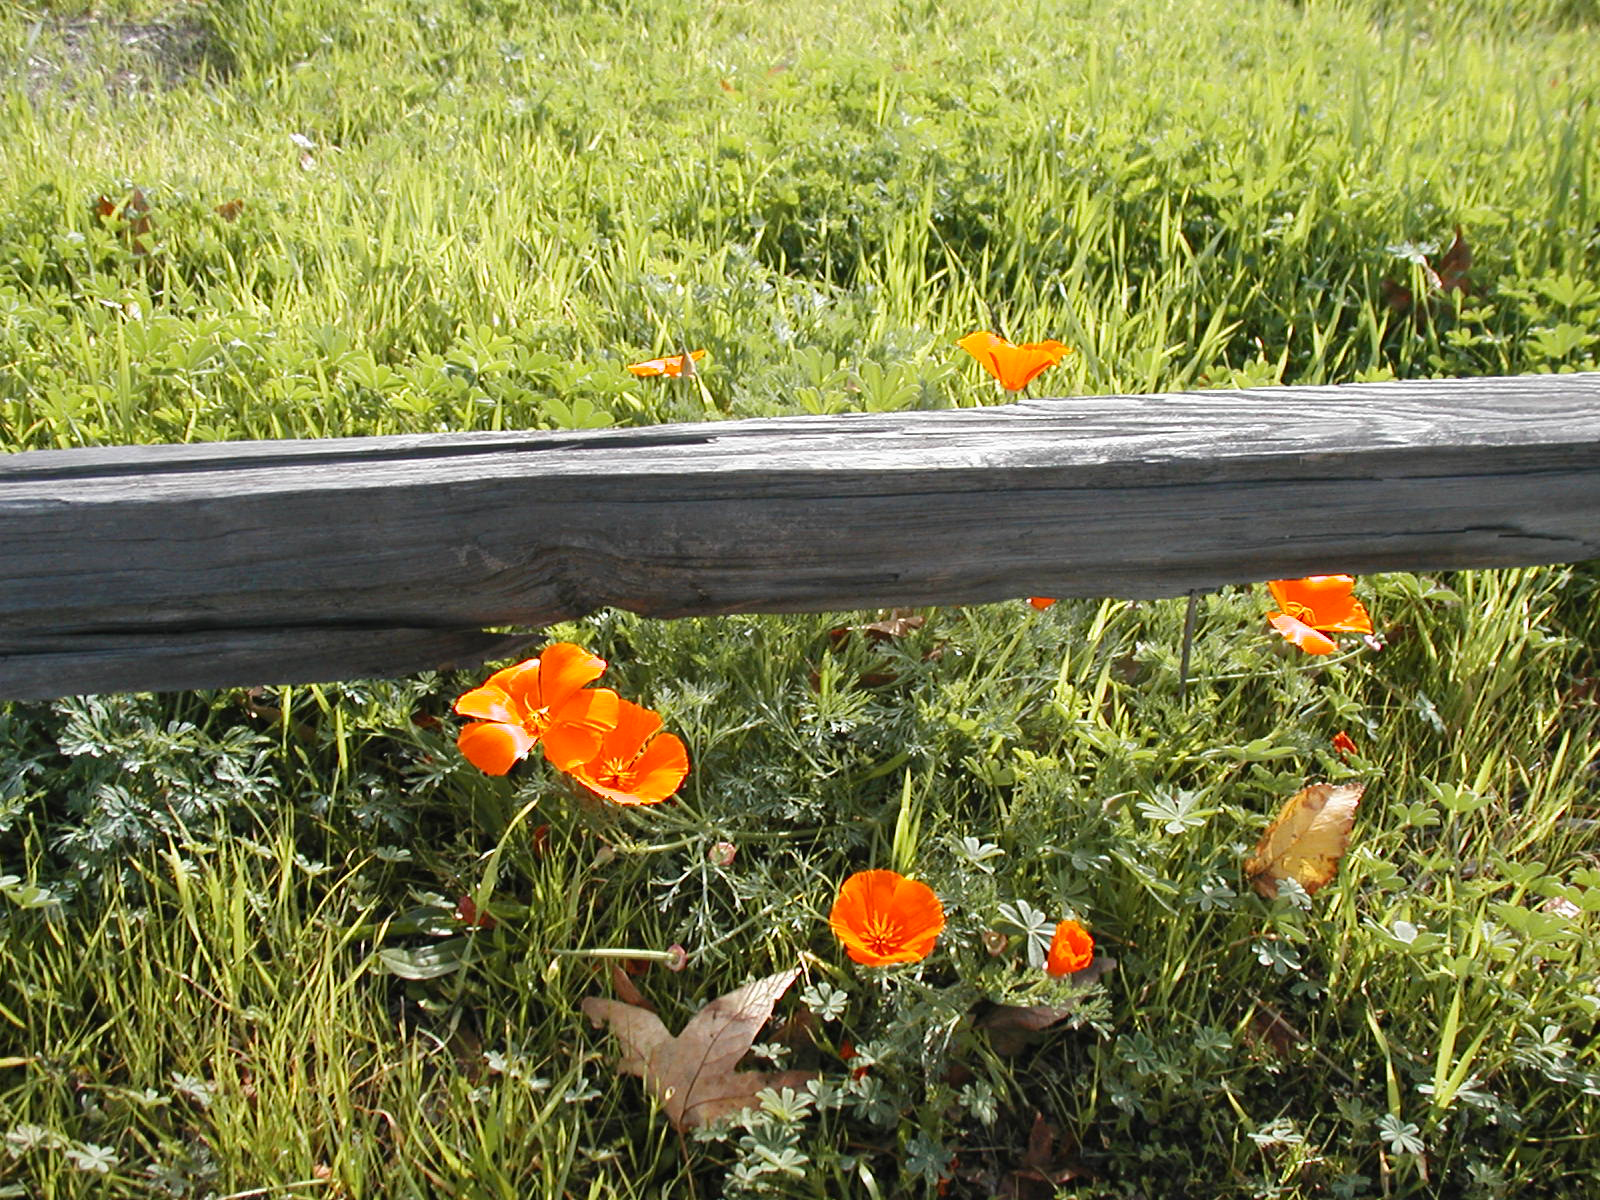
[[1315, 606], [1014, 366], [1344, 744], [1040, 602], [884, 918], [1071, 949], [543, 697], [672, 365], [633, 764]]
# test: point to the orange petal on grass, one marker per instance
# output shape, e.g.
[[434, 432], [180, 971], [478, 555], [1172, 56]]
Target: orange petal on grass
[[1040, 602], [1301, 634], [671, 365], [1071, 949], [883, 918], [634, 764], [1014, 366]]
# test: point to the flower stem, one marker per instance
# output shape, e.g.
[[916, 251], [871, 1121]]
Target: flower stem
[[618, 952]]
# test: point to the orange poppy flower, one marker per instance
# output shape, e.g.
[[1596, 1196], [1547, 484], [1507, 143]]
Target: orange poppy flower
[[1040, 602], [633, 764], [672, 365], [1344, 744], [1315, 606], [1014, 366], [884, 918], [1071, 949], [544, 698]]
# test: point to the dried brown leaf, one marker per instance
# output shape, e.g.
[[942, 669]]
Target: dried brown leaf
[[1306, 839], [1268, 1028], [694, 1075], [627, 989], [1009, 1025], [898, 624], [132, 214], [1396, 296], [1449, 274], [257, 703], [1562, 907], [1042, 1169]]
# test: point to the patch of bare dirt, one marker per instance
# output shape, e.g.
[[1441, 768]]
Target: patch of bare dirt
[[86, 56]]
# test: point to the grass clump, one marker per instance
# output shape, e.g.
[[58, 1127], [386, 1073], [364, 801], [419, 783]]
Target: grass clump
[[237, 953]]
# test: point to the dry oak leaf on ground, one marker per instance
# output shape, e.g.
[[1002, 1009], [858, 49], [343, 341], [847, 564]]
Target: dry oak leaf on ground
[[1010, 1026], [693, 1075], [1306, 839], [1043, 1167], [1448, 273]]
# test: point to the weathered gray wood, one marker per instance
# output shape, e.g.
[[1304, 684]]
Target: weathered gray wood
[[165, 566], [59, 665]]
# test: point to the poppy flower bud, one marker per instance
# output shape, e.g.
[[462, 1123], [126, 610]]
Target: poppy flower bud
[[1071, 949]]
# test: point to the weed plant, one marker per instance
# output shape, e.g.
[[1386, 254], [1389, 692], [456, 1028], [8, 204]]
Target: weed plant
[[234, 958]]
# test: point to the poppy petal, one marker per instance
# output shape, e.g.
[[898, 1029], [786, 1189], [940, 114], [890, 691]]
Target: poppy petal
[[661, 769], [631, 729], [671, 365], [1021, 365], [1301, 634], [1283, 592], [577, 730], [494, 748], [488, 703], [1325, 602], [868, 957], [520, 681], [916, 904], [1352, 618], [563, 669], [982, 346], [567, 747]]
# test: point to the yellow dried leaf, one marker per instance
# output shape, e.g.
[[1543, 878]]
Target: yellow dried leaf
[[1306, 840]]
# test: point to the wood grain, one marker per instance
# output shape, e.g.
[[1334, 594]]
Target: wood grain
[[252, 562]]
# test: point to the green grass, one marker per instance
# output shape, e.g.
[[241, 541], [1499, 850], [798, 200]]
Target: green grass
[[229, 958], [504, 204]]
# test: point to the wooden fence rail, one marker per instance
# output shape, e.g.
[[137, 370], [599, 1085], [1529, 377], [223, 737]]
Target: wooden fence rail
[[159, 567]]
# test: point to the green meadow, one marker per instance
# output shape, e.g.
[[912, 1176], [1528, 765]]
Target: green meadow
[[288, 942]]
